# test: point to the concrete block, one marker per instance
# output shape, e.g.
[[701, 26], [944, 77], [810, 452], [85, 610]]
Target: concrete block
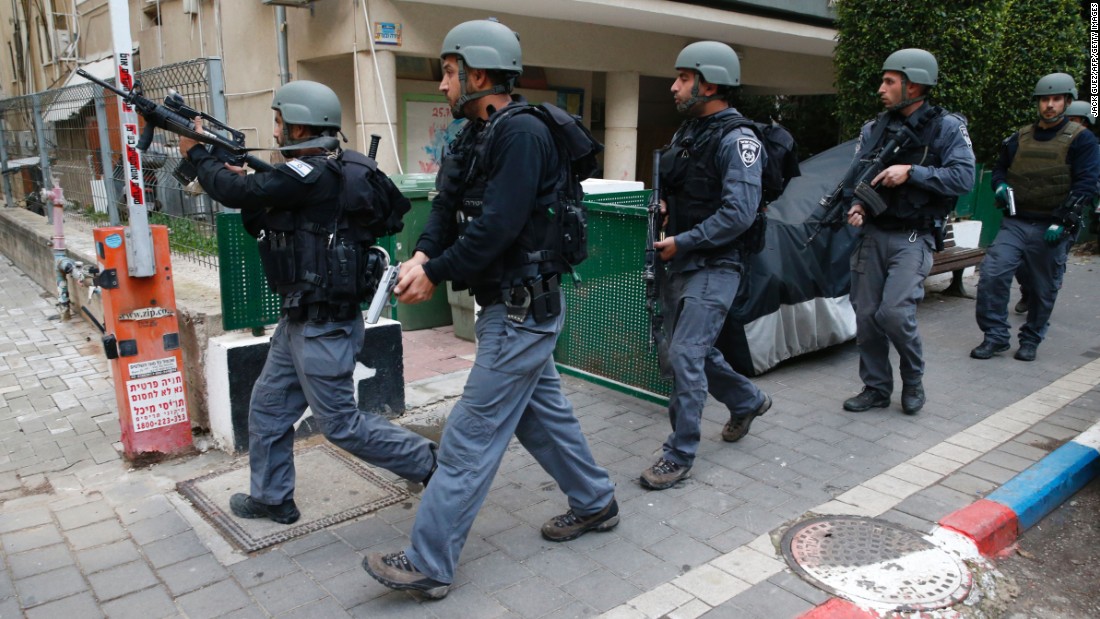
[[234, 362]]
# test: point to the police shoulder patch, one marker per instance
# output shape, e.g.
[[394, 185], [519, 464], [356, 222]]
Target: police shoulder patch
[[749, 150], [965, 135], [302, 168]]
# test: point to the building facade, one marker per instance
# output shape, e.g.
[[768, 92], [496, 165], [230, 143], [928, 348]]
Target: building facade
[[607, 60]]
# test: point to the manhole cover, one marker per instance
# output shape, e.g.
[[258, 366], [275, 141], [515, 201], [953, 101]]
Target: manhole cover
[[331, 487], [875, 562]]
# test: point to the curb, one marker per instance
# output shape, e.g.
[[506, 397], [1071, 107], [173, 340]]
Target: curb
[[995, 522]]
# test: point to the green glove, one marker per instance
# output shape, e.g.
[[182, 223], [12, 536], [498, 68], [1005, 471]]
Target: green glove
[[1053, 235], [1001, 193]]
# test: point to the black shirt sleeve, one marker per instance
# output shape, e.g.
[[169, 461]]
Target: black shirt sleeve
[[263, 190]]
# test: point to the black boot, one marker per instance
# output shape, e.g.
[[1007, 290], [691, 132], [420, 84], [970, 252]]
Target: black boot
[[912, 398]]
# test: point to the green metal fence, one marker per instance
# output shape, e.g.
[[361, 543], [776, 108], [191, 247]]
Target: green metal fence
[[247, 302], [606, 335]]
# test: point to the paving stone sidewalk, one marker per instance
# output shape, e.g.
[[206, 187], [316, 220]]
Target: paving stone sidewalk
[[84, 535]]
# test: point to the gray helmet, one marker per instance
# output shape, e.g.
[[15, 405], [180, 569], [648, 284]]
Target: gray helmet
[[917, 65], [716, 62], [485, 44], [1081, 109], [308, 103], [1055, 84], [482, 44]]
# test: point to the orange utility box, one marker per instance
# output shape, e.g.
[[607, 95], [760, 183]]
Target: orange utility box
[[142, 341]]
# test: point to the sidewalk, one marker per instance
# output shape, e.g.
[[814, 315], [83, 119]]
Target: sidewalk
[[83, 535]]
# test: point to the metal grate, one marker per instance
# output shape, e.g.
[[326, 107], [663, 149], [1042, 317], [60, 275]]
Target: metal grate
[[875, 562], [606, 334], [247, 302], [332, 487]]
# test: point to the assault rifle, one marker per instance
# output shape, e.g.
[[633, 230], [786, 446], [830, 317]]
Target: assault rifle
[[653, 274], [223, 141], [863, 171]]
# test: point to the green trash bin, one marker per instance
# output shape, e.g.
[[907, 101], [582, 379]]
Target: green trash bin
[[435, 312]]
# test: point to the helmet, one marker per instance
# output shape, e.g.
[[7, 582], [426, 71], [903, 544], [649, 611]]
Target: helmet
[[917, 65], [1082, 109], [1055, 84], [485, 44], [716, 62], [482, 44], [308, 103]]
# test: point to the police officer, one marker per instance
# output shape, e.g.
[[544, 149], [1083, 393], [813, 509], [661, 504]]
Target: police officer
[[711, 183], [1052, 167], [894, 253], [1080, 113], [487, 231], [298, 212]]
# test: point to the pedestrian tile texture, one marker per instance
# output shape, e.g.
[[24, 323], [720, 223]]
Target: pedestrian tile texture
[[83, 534]]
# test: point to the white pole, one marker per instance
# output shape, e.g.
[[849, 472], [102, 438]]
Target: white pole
[[139, 241]]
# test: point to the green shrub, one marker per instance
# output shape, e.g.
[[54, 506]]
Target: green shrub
[[990, 52], [961, 34]]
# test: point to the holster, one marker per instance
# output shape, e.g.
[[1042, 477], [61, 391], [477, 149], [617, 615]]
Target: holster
[[937, 233], [541, 298]]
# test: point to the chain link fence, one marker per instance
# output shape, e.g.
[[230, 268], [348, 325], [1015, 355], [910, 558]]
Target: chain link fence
[[72, 134]]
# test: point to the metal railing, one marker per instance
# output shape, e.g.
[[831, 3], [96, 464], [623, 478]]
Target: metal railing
[[71, 134]]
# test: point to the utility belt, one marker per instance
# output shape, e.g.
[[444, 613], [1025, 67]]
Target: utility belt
[[902, 225], [541, 298], [322, 312], [915, 228]]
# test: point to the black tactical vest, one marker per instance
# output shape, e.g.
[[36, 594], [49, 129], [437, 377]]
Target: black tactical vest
[[908, 204], [690, 179], [462, 183], [312, 264]]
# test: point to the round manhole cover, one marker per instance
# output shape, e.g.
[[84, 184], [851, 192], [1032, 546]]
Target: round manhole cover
[[876, 562]]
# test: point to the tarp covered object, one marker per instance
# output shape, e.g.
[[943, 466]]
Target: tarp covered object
[[794, 299]]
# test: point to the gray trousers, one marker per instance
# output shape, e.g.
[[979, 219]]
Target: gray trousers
[[513, 389], [701, 299], [888, 271], [1020, 248], [311, 364]]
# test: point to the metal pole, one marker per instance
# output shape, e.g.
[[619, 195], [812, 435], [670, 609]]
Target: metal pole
[[140, 260], [105, 159], [280, 38], [43, 150], [219, 108], [10, 201]]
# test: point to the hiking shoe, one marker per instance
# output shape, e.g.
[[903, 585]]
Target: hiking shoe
[[571, 526], [912, 398], [1021, 306], [396, 572], [663, 474], [1026, 352], [244, 506], [987, 349], [866, 400], [738, 425]]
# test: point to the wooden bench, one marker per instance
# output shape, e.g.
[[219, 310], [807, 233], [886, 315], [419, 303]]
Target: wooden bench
[[955, 259]]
